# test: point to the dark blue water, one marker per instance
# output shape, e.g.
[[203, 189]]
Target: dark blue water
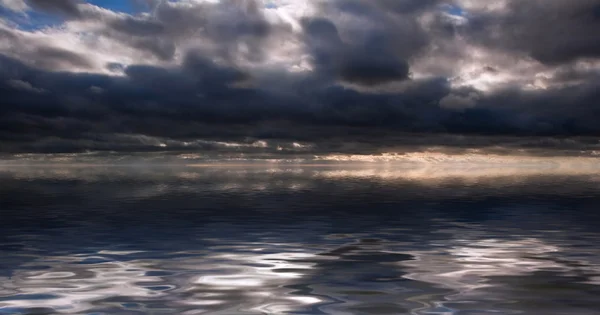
[[297, 240]]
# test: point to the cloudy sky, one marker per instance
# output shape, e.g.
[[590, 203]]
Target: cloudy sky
[[332, 74]]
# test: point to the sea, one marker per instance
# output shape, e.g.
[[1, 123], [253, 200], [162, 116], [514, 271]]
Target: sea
[[420, 234]]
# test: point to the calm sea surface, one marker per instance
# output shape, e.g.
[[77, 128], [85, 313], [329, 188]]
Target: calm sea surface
[[297, 240]]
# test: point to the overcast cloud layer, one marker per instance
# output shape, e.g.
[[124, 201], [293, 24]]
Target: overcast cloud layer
[[292, 74]]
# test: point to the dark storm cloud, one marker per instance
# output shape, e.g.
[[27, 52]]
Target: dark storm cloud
[[227, 24], [194, 101], [572, 75], [156, 105], [551, 31], [360, 95], [393, 6], [395, 26], [369, 63], [566, 110], [368, 45]]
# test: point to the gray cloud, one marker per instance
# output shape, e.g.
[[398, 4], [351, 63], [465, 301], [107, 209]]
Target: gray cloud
[[551, 31], [137, 26], [42, 54], [68, 8], [371, 61], [406, 6], [459, 102], [226, 26], [54, 57], [354, 75], [24, 86]]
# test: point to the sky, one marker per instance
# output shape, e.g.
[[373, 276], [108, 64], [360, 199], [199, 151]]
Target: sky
[[294, 76]]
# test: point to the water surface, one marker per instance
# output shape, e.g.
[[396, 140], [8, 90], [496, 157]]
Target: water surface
[[297, 240]]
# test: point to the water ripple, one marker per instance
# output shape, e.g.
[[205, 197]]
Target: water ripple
[[316, 241]]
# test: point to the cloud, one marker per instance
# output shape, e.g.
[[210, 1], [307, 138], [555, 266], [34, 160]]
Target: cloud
[[23, 86], [339, 75], [40, 50], [68, 8], [550, 31], [96, 90], [361, 42], [14, 5], [459, 102]]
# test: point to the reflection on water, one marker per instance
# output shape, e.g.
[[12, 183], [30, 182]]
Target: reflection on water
[[298, 240]]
